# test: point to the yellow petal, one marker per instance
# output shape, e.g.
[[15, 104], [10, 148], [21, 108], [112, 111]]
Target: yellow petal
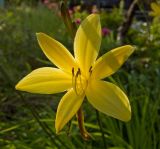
[[67, 108], [109, 99], [87, 42], [45, 81], [110, 62], [56, 52], [155, 7]]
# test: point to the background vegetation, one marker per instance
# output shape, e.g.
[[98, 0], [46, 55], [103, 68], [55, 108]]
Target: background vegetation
[[27, 120]]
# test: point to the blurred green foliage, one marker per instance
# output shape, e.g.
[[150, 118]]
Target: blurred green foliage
[[27, 120]]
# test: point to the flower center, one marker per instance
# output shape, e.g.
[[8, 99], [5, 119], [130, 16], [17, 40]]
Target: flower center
[[79, 82]]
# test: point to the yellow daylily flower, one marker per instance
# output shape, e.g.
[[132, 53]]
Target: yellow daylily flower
[[155, 9], [80, 75]]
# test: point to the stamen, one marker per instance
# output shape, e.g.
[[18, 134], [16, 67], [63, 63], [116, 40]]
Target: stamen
[[81, 82], [73, 80], [73, 71], [79, 71], [77, 82], [90, 69]]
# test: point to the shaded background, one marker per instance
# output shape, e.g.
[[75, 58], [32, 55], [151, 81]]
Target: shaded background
[[27, 120]]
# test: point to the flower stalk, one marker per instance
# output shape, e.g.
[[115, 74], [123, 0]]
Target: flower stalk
[[80, 117], [71, 28]]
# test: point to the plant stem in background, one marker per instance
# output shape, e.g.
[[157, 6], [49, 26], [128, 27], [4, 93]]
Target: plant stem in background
[[123, 29], [70, 26], [101, 129]]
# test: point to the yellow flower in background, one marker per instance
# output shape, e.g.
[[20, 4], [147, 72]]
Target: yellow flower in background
[[155, 9], [80, 75]]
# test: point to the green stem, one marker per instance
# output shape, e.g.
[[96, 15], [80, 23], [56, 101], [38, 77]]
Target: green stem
[[101, 129], [69, 127], [71, 27]]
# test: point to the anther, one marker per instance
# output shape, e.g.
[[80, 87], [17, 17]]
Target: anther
[[90, 69], [72, 71], [77, 83], [78, 72]]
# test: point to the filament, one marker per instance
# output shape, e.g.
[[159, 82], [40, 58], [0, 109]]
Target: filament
[[77, 82]]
